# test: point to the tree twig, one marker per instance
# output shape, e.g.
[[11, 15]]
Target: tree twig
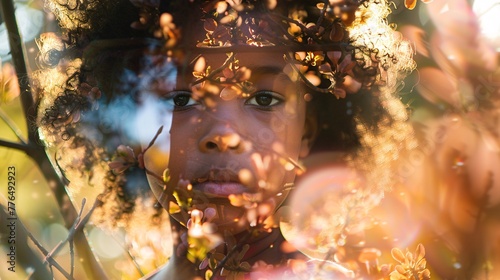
[[48, 257], [18, 59], [231, 252], [14, 145], [25, 254], [37, 152]]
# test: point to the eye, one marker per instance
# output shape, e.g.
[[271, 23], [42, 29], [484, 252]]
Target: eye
[[180, 99], [265, 99]]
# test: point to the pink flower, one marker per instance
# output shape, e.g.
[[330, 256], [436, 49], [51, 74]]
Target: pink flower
[[125, 158]]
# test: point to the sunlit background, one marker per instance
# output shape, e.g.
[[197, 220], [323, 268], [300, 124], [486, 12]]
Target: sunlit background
[[487, 12]]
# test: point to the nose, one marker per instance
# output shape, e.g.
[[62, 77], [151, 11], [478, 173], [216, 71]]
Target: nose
[[221, 138]]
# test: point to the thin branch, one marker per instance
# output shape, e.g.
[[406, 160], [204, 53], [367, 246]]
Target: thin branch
[[37, 152], [133, 260], [77, 225], [149, 172], [231, 252], [152, 142], [304, 79], [26, 256], [89, 261], [72, 257], [209, 77], [49, 259], [336, 46], [12, 126], [69, 239], [14, 145], [18, 59]]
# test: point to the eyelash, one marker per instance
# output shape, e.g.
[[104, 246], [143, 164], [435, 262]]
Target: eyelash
[[170, 99], [276, 99]]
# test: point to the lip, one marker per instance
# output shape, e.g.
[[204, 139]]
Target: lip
[[220, 189]]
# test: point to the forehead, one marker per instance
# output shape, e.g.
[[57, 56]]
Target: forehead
[[249, 59], [257, 67]]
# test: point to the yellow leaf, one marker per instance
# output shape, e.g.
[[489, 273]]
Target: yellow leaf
[[410, 4], [174, 208], [420, 252], [208, 274], [398, 255], [400, 269]]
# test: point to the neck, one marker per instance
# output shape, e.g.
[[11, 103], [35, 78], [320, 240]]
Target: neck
[[263, 246]]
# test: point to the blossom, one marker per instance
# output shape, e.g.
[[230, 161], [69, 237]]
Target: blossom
[[169, 30], [410, 265], [410, 4], [125, 158], [92, 93], [202, 235], [258, 212]]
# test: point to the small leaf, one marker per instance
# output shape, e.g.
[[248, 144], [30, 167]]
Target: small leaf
[[212, 262], [203, 263], [410, 4], [228, 73], [426, 274], [166, 175], [243, 251], [208, 274], [198, 75], [420, 252], [400, 269], [337, 33], [421, 264], [173, 208], [409, 259], [313, 78], [417, 36], [210, 25], [339, 93], [398, 255], [245, 266]]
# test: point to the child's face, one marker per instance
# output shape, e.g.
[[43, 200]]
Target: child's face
[[230, 145]]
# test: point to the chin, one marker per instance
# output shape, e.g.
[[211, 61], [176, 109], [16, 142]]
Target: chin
[[229, 217]]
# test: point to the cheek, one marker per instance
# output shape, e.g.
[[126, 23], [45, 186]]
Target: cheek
[[183, 148], [288, 130], [286, 134], [281, 131]]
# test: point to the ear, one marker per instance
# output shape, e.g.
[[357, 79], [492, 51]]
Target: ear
[[310, 133]]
